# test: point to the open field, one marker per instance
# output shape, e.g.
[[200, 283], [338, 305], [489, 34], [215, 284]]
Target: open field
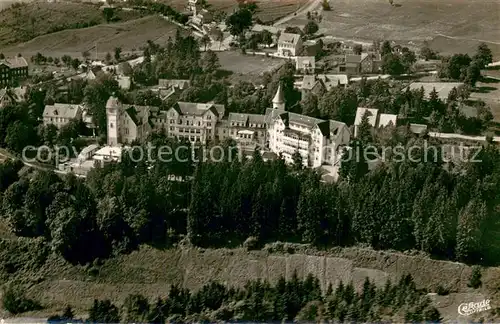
[[247, 67], [26, 21], [489, 91], [467, 21], [127, 35], [269, 10]]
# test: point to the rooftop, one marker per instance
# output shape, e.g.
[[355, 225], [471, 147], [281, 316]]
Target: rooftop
[[108, 153], [305, 62], [387, 119], [279, 98], [372, 116], [18, 93], [167, 83], [289, 38], [61, 110], [198, 109], [15, 62], [124, 82], [333, 80], [418, 128], [309, 81]]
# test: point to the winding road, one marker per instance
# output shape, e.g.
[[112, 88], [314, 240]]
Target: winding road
[[310, 6]]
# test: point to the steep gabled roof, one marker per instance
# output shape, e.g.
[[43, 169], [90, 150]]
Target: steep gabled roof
[[289, 38], [324, 127], [336, 127], [13, 94], [333, 80], [15, 62], [308, 82], [133, 115], [61, 110]]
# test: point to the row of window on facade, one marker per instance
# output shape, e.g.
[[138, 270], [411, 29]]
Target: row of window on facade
[[193, 138], [179, 122], [242, 124], [59, 120]]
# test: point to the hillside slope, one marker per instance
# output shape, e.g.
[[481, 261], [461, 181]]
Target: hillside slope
[[25, 21], [269, 10], [150, 272], [128, 35], [450, 25]]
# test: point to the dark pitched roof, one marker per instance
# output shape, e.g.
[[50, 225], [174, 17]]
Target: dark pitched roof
[[324, 127], [198, 109], [133, 115], [235, 117], [303, 119], [256, 119]]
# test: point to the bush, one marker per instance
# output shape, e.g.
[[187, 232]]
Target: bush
[[135, 308], [15, 302], [104, 312], [251, 243], [475, 278], [441, 291]]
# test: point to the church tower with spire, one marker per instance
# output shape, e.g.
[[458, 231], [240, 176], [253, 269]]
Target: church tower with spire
[[279, 99]]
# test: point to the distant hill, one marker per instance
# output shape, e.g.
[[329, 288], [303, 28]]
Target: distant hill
[[22, 22], [129, 35]]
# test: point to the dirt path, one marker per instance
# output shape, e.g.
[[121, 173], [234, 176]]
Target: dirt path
[[311, 6], [470, 39]]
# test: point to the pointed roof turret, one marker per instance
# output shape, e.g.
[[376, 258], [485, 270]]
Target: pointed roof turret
[[112, 102], [279, 98]]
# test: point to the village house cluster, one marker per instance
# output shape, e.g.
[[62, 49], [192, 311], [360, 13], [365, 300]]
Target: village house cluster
[[320, 143]]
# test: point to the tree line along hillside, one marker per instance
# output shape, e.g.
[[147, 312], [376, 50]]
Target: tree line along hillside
[[399, 205], [24, 21], [260, 301]]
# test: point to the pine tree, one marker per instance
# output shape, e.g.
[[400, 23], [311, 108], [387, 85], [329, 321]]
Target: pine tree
[[469, 231], [386, 48], [365, 129], [196, 208], [441, 227], [353, 163]]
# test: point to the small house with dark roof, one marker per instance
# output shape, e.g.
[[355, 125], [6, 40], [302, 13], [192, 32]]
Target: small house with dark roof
[[311, 84]]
